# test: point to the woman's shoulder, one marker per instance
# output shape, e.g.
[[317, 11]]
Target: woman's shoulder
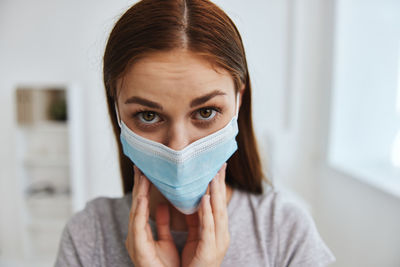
[[101, 210], [100, 206], [271, 204], [90, 233], [274, 211], [285, 226], [105, 205]]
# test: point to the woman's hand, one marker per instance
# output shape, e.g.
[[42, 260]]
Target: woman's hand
[[208, 246], [142, 248]]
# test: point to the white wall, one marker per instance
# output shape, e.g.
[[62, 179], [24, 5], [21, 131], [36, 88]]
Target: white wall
[[359, 222]]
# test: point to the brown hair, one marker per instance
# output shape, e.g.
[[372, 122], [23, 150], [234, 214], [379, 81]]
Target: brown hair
[[198, 26]]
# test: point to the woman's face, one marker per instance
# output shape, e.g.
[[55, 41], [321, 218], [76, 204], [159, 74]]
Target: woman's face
[[175, 98]]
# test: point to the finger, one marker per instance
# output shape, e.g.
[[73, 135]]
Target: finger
[[208, 190], [136, 175], [192, 222], [217, 199], [144, 186], [219, 208], [134, 190], [148, 228], [141, 188], [142, 235], [144, 191], [200, 213], [207, 222], [140, 222], [222, 179], [149, 234], [162, 222], [216, 196]]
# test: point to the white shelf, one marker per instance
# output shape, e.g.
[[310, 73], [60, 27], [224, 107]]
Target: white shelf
[[49, 169], [46, 161], [46, 126], [49, 207]]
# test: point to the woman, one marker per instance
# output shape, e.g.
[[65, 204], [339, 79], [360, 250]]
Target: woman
[[178, 93]]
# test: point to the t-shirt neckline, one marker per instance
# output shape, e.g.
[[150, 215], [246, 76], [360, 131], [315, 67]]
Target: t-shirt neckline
[[231, 207]]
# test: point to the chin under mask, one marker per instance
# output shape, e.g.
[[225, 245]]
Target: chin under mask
[[181, 176]]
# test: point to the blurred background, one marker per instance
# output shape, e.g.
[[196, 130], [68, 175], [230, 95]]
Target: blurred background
[[326, 105]]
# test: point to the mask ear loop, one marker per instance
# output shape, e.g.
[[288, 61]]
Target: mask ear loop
[[237, 104], [117, 113]]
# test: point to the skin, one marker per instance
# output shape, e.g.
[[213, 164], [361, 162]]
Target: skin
[[175, 82]]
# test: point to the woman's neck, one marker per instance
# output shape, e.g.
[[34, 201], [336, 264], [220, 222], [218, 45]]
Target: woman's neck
[[177, 219]]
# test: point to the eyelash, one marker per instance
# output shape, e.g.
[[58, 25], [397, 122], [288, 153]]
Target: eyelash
[[202, 123]]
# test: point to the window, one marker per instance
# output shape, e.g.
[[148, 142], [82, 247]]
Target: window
[[365, 110]]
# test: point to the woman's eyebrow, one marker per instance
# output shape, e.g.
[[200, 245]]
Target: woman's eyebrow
[[144, 102], [202, 99]]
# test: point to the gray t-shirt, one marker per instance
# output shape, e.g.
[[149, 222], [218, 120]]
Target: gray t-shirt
[[265, 230]]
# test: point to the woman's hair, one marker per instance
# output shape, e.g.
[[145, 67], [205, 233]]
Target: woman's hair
[[198, 26]]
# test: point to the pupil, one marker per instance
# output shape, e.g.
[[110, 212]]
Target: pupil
[[148, 116], [205, 113]]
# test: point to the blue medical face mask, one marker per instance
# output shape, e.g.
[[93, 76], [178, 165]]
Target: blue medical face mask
[[182, 176]]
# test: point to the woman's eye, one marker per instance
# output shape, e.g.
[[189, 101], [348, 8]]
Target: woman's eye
[[206, 114], [148, 117]]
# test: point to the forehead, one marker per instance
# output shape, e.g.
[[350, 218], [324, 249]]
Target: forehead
[[174, 75]]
